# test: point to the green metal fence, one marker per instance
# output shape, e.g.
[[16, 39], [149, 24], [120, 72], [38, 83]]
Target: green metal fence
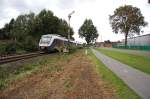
[[133, 47]]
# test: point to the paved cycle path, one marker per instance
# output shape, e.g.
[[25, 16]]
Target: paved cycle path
[[135, 79]]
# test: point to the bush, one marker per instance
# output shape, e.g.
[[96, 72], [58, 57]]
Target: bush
[[2, 49], [72, 49], [30, 44], [11, 48]]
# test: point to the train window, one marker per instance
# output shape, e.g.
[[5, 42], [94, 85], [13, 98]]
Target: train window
[[45, 39]]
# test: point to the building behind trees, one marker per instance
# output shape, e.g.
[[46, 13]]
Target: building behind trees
[[140, 42]]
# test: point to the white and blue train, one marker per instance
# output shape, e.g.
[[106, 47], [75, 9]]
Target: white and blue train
[[51, 42]]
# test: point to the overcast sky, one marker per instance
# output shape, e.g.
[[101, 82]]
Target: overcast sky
[[97, 10]]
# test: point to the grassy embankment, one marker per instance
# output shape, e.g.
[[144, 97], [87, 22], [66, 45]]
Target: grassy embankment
[[141, 63], [122, 90], [14, 71]]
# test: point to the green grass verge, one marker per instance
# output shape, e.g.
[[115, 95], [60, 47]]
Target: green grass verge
[[122, 90], [139, 62]]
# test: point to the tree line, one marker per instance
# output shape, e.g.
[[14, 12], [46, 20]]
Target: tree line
[[25, 31]]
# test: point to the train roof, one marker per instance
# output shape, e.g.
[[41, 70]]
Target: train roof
[[144, 35], [56, 36], [52, 35], [147, 35]]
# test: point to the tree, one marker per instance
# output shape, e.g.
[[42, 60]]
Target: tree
[[22, 27], [107, 41], [127, 20], [88, 31], [5, 32], [63, 28], [46, 23], [35, 26]]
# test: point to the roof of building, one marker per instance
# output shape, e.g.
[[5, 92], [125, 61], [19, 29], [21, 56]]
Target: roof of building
[[139, 36]]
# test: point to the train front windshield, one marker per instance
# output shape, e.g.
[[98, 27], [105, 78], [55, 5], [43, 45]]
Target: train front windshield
[[45, 40]]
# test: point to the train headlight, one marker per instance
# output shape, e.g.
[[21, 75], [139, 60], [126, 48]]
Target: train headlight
[[42, 47]]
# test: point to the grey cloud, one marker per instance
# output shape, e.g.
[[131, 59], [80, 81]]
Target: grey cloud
[[65, 4], [12, 8], [7, 6], [19, 4]]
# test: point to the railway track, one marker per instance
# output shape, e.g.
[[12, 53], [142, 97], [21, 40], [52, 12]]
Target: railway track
[[8, 59]]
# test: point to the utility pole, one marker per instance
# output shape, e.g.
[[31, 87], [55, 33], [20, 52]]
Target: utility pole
[[69, 17]]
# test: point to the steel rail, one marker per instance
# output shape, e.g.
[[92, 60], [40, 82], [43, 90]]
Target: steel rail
[[8, 59]]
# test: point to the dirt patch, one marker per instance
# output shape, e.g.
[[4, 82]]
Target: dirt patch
[[71, 77]]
